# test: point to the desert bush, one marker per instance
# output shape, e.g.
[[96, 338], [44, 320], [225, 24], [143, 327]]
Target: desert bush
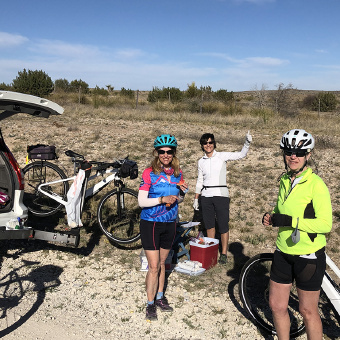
[[172, 94], [210, 107], [6, 87], [37, 83], [307, 102], [79, 86], [111, 101], [99, 91], [61, 85], [192, 91], [223, 95], [324, 101], [264, 113], [80, 99], [127, 93]]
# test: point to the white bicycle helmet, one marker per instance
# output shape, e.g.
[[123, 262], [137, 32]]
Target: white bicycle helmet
[[165, 140], [297, 139]]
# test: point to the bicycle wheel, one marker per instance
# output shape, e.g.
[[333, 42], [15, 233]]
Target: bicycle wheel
[[254, 294], [119, 215], [37, 173]]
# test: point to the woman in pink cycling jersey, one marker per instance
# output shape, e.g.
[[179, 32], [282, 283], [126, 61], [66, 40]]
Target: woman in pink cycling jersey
[[162, 188]]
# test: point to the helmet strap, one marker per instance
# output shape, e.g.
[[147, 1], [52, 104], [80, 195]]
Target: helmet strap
[[291, 172]]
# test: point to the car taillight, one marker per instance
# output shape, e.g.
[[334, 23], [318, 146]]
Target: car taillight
[[17, 169]]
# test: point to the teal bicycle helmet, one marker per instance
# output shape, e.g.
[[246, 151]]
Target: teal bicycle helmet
[[165, 140]]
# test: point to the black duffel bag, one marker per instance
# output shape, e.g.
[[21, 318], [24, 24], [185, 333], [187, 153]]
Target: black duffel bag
[[129, 168], [41, 151]]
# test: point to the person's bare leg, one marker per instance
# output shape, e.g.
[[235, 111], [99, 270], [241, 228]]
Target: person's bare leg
[[211, 232], [308, 306], [278, 302], [163, 254], [224, 242], [151, 279]]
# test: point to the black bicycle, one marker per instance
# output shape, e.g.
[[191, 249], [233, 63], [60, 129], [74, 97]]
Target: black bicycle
[[254, 294]]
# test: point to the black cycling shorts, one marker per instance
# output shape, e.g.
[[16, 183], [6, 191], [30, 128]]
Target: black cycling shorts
[[307, 273], [216, 207], [156, 235]]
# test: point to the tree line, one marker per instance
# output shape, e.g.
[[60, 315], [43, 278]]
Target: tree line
[[40, 84]]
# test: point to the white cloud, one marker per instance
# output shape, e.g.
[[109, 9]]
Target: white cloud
[[321, 51], [248, 61], [58, 48], [9, 40], [129, 53], [267, 61]]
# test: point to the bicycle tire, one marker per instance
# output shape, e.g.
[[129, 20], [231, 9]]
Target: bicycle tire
[[35, 174], [120, 224], [254, 294]]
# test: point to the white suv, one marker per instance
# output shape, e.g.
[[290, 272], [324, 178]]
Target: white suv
[[11, 177]]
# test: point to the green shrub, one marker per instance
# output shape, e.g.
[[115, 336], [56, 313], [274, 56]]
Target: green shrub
[[192, 91], [62, 85], [224, 95], [325, 101], [79, 86], [173, 94], [127, 93], [36, 83], [97, 91], [6, 87]]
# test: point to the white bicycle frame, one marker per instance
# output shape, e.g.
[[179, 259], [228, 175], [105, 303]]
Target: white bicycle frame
[[89, 191], [330, 288]]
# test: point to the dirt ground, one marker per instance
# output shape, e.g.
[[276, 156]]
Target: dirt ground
[[96, 291]]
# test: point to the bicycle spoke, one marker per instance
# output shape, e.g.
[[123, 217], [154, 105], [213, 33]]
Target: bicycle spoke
[[119, 216], [254, 293], [38, 173]]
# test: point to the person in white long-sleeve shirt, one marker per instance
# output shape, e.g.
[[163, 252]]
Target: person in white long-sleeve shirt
[[212, 186]]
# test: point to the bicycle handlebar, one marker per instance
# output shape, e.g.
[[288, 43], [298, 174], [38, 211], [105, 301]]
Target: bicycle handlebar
[[99, 166]]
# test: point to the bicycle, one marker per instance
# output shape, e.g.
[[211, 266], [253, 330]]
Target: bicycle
[[118, 212], [254, 294]]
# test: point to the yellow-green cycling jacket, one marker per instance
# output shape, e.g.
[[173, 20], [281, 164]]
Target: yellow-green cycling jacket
[[309, 204]]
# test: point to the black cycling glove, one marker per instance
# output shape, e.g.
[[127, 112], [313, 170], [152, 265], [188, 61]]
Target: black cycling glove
[[281, 220]]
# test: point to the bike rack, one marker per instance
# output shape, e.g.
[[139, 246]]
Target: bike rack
[[67, 237]]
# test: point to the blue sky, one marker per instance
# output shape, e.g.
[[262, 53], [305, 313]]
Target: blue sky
[[235, 45]]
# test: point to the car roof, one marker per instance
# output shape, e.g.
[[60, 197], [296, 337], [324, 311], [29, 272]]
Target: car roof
[[15, 102]]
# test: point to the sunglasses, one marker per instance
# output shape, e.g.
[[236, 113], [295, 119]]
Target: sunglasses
[[168, 152], [210, 143], [300, 153]]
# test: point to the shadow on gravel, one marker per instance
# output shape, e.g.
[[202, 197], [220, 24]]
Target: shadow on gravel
[[22, 295], [236, 248]]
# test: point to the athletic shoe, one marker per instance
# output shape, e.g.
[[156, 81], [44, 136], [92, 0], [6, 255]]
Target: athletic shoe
[[151, 312], [223, 259], [163, 305]]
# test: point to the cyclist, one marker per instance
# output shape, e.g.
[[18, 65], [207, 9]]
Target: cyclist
[[303, 214], [161, 189], [212, 186]]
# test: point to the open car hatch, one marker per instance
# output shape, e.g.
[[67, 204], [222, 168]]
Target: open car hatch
[[15, 102]]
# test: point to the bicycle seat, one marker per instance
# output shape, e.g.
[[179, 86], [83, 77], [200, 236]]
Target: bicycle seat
[[73, 154]]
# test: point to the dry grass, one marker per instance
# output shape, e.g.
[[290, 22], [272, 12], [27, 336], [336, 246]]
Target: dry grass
[[106, 133]]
